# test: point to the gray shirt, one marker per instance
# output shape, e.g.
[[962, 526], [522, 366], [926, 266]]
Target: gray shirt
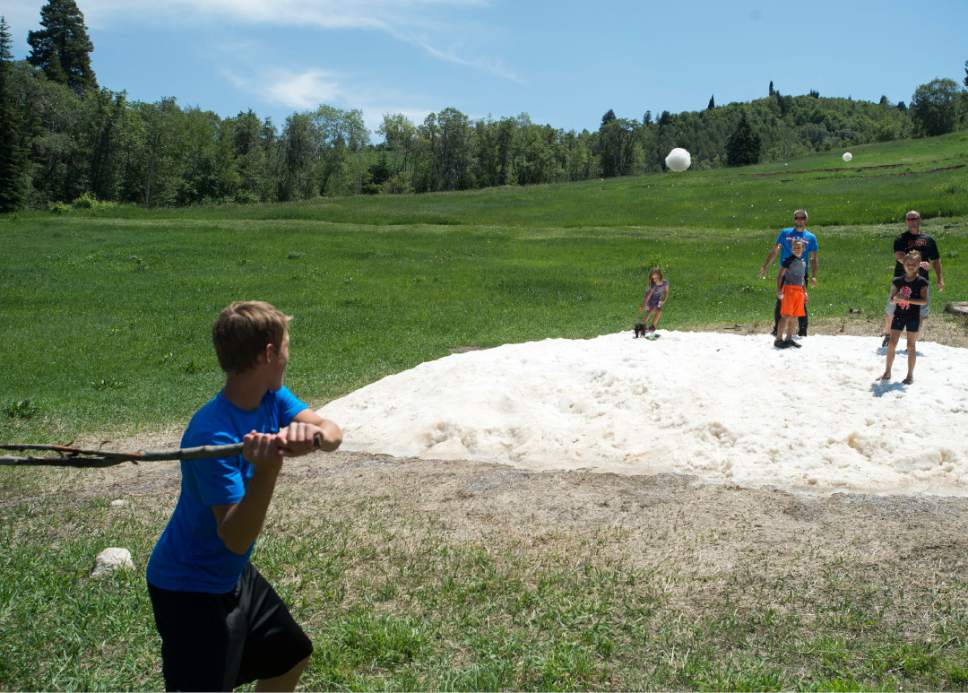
[[796, 271]]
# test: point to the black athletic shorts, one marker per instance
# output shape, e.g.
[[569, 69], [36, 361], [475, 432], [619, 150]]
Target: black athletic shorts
[[215, 642], [910, 322]]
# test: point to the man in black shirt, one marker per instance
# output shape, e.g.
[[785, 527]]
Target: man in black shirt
[[913, 239]]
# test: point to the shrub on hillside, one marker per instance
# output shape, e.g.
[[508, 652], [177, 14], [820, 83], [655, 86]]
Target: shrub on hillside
[[89, 202]]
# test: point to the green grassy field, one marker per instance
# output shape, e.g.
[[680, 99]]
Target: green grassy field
[[122, 300], [878, 186], [106, 318]]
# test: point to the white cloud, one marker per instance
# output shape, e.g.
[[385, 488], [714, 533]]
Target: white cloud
[[411, 21], [306, 89], [21, 16], [494, 67], [301, 90], [373, 115]]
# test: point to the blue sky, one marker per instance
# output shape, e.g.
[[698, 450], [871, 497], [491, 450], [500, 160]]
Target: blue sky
[[564, 63]]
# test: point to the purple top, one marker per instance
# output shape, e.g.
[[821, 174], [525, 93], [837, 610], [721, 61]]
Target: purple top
[[658, 291]]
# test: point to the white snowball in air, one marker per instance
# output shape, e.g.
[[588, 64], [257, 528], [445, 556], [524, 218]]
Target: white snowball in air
[[678, 160], [847, 156]]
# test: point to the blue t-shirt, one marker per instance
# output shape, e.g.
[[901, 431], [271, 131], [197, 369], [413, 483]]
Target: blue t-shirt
[[189, 556], [785, 241]]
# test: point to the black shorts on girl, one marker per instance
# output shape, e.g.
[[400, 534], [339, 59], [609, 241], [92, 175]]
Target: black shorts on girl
[[216, 642], [907, 320]]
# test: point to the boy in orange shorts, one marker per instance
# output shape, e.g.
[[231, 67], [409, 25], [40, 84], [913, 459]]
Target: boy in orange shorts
[[792, 292]]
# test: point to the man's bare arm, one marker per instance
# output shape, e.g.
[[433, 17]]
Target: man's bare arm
[[769, 259]]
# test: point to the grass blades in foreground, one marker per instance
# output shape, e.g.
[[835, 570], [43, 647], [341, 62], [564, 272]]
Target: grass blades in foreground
[[399, 606]]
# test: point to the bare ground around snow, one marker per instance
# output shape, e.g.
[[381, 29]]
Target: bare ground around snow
[[700, 541], [940, 327]]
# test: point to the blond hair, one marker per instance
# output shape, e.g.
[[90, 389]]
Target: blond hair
[[243, 330]]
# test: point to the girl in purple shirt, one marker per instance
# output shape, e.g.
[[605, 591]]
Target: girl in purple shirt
[[654, 299]]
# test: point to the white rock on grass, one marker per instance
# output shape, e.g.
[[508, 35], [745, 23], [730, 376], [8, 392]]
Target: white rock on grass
[[112, 559], [118, 503]]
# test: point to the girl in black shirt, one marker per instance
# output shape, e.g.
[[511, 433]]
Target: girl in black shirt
[[909, 292]]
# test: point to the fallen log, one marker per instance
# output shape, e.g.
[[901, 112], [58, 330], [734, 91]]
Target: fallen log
[[958, 308]]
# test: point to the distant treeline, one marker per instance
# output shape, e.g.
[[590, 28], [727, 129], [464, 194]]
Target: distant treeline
[[65, 140]]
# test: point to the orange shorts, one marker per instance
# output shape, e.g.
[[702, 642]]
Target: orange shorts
[[793, 302]]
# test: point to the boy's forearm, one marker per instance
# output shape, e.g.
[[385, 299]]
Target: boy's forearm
[[241, 524], [332, 433], [332, 436]]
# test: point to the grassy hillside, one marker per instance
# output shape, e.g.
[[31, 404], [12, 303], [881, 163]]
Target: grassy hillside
[[107, 314], [878, 186]]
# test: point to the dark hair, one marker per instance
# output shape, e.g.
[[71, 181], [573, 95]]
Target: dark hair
[[653, 271], [243, 330]]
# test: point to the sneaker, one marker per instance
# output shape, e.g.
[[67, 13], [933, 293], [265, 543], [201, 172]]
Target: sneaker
[[780, 344], [792, 343], [886, 340]]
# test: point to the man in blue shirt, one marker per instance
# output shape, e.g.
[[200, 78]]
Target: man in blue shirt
[[221, 623], [784, 246]]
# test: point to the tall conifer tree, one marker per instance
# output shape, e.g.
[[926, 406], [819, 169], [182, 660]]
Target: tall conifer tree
[[12, 160], [743, 146], [62, 49]]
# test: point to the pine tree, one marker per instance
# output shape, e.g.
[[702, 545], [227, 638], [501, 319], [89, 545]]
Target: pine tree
[[771, 88], [62, 49], [743, 146], [712, 103], [12, 160]]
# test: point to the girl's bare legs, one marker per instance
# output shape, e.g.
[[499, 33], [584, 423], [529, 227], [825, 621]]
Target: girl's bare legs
[[891, 348], [655, 317], [912, 348]]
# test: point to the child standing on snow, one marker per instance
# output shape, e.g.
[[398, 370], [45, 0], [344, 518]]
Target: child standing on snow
[[654, 299], [908, 293], [792, 295]]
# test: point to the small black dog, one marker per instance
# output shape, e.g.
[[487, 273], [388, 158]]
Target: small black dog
[[639, 330]]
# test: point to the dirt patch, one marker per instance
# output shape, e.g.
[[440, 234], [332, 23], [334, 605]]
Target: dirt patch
[[851, 169], [858, 169], [943, 328], [699, 539]]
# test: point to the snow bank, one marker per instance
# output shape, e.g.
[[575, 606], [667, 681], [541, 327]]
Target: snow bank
[[726, 408]]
